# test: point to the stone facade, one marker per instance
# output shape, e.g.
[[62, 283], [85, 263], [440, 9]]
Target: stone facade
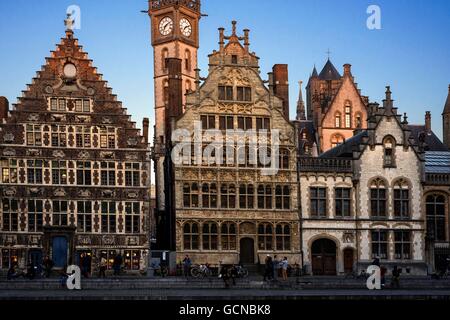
[[234, 212], [75, 170]]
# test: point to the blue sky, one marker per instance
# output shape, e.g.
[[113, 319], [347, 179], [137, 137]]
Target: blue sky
[[411, 52]]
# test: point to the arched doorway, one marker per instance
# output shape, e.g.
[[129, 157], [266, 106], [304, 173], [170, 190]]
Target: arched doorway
[[348, 260], [323, 252], [247, 252]]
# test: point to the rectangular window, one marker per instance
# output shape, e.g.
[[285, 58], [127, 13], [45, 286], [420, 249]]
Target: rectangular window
[[401, 203], [234, 59], [54, 104], [62, 105], [34, 135], [132, 217], [35, 214], [84, 216], [59, 136], [108, 174], [10, 257], [245, 123], [131, 259], [79, 105], [226, 122], [84, 173], [244, 94], [108, 217], [379, 244], [208, 122], [318, 205], [86, 106], [59, 172], [402, 242], [342, 202], [59, 213], [10, 215], [262, 124], [34, 171], [132, 174], [9, 171], [226, 93]]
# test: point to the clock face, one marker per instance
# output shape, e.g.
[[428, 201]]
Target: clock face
[[166, 26], [185, 27], [70, 71]]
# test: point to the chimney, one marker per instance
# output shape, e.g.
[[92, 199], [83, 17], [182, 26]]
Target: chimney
[[347, 69], [428, 122], [271, 83], [221, 39], [145, 125], [281, 85], [246, 39], [174, 107], [4, 108]]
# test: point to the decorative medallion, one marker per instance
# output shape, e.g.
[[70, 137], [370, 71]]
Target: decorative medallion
[[84, 155], [84, 193], [132, 194], [108, 240], [9, 137], [58, 154], [60, 192], [9, 152], [132, 142], [48, 89], [33, 117], [107, 155], [33, 152], [10, 192], [90, 91]]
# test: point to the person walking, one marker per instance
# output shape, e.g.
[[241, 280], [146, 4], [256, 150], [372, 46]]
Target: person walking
[[275, 268], [117, 264], [103, 265], [186, 266], [225, 275], [284, 267], [268, 265], [395, 278], [48, 266]]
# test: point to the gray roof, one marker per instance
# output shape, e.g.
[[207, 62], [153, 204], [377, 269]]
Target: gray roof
[[345, 150], [329, 72], [432, 142], [437, 162]]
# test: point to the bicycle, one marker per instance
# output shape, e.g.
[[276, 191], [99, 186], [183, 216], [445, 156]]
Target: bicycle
[[201, 271], [241, 272]]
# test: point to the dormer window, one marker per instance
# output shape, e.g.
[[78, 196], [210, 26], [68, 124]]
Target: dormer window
[[234, 59], [348, 115], [226, 93], [389, 152], [337, 120]]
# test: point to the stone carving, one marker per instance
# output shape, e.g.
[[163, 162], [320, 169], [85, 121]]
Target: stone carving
[[10, 240], [132, 142], [132, 194], [348, 237], [84, 193], [58, 117], [108, 240], [132, 241], [82, 119], [48, 90], [107, 120], [108, 193], [33, 152], [60, 192], [84, 155], [107, 155], [10, 192], [90, 91], [34, 191], [84, 240], [34, 240], [33, 117], [58, 154], [9, 137], [131, 156], [9, 152]]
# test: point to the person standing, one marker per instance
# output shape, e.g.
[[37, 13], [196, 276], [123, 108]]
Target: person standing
[[187, 266], [395, 278], [284, 267], [87, 265], [268, 268], [48, 266], [275, 268], [117, 264], [103, 265]]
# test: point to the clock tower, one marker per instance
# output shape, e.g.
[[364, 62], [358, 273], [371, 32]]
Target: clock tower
[[175, 34]]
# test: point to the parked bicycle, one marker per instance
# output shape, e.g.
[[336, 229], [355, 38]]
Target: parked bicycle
[[201, 271]]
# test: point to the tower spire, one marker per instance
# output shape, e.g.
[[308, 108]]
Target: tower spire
[[301, 114]]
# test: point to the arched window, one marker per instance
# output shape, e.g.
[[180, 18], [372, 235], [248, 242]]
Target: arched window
[[246, 196], [389, 152], [188, 86], [164, 56], [265, 236], [401, 199], [190, 195], [166, 91], [228, 236], [209, 236], [348, 114], [228, 196], [337, 120], [358, 120], [187, 60], [435, 209], [284, 159], [336, 140], [283, 237], [282, 197], [378, 199], [190, 236]]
